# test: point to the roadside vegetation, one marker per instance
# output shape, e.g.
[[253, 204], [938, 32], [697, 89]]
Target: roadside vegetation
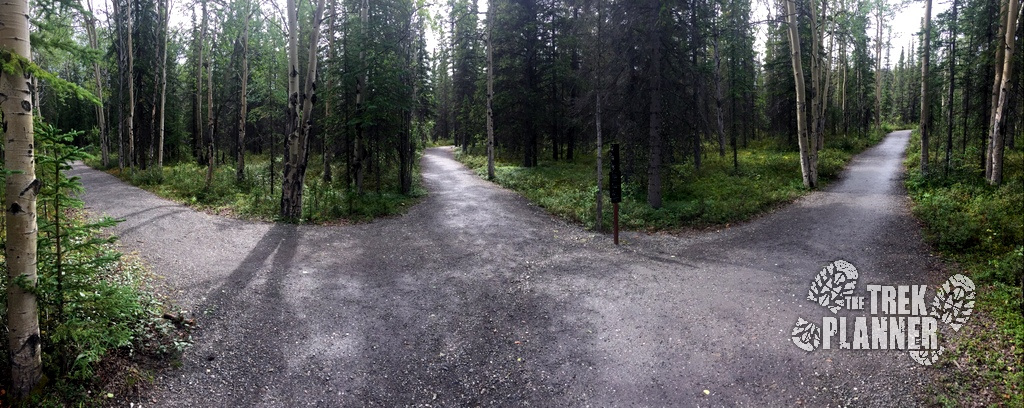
[[102, 326], [717, 194], [258, 196], [979, 229]]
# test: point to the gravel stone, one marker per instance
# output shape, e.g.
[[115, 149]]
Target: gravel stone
[[476, 298]]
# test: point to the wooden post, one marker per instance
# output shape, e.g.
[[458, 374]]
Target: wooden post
[[615, 221]]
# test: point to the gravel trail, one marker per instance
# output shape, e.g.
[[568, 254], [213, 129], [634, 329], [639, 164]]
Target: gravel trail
[[475, 297]]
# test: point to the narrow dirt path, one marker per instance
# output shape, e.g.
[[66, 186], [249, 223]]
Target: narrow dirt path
[[475, 297]]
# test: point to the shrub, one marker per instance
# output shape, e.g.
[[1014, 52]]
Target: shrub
[[90, 301]]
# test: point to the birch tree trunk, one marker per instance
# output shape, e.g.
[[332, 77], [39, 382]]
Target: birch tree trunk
[[101, 119], [819, 87], [806, 149], [243, 106], [925, 56], [327, 149], [996, 82], [163, 86], [878, 69], [21, 187], [599, 216], [121, 66], [197, 112], [297, 144], [130, 125], [997, 133]]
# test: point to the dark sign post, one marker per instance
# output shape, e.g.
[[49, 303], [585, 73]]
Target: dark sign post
[[615, 189]]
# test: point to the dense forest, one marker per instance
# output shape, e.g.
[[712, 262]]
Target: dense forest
[[324, 106], [353, 86]]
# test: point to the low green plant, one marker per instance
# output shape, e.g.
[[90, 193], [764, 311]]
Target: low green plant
[[91, 302], [980, 229], [716, 194], [258, 195]]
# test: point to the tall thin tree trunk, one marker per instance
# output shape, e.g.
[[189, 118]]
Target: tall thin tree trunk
[[555, 114], [21, 188], [654, 157], [819, 87], [131, 90], [297, 150], [359, 150], [121, 68], [952, 88], [806, 147], [997, 80], [880, 18], [997, 132], [842, 106], [695, 80], [101, 120], [406, 147], [966, 105], [599, 220], [243, 106], [327, 148], [925, 55], [719, 98], [490, 90], [154, 99], [211, 158], [197, 112], [163, 86]]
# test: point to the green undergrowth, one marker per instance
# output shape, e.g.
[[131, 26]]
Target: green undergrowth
[[102, 329], [979, 229], [259, 197], [716, 194], [440, 142]]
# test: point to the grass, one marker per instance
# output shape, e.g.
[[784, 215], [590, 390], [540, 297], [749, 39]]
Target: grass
[[717, 194], [257, 198], [979, 230]]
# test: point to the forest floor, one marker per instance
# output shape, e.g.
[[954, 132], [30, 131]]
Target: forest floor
[[476, 297]]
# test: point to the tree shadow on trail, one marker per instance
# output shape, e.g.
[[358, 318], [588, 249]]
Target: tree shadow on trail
[[246, 319], [450, 332]]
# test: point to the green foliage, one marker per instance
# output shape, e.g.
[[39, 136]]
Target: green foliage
[[14, 64], [981, 229], [986, 353], [717, 194], [91, 302], [252, 198], [974, 223]]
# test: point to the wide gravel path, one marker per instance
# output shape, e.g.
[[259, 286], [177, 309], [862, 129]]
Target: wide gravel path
[[476, 297]]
